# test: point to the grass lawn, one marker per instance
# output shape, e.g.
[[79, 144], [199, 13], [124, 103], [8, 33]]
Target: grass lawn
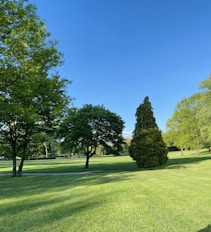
[[116, 196]]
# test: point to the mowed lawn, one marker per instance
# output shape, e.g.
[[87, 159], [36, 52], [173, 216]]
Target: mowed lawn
[[114, 196]]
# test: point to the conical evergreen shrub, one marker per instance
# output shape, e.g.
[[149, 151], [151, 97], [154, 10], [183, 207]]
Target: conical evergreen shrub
[[147, 146]]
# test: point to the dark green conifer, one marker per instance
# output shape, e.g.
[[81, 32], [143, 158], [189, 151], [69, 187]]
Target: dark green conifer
[[147, 147]]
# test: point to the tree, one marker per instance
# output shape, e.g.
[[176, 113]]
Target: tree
[[169, 137], [34, 110], [147, 147], [204, 115], [23, 46], [184, 125], [32, 95], [90, 127]]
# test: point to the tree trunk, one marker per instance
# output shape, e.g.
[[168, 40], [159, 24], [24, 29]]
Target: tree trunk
[[89, 153], [197, 151], [20, 168], [46, 150], [198, 148], [14, 166], [87, 160]]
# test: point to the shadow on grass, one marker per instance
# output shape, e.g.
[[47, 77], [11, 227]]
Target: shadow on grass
[[206, 229], [100, 165], [48, 199], [172, 163], [29, 187], [95, 167], [181, 162]]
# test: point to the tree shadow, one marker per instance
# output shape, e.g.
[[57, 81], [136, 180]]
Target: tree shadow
[[172, 163], [206, 229], [55, 197], [116, 166], [176, 163]]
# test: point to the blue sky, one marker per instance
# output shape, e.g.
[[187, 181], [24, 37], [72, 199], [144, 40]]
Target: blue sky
[[117, 52]]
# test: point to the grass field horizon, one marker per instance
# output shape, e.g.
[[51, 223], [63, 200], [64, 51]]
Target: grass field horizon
[[115, 196], [101, 163]]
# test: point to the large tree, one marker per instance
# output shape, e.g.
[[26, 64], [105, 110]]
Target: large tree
[[204, 115], [189, 126], [147, 147], [90, 127], [184, 125], [32, 94]]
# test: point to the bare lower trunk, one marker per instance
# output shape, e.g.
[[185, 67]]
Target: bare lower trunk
[[87, 161], [89, 153], [20, 168], [14, 166], [14, 153], [197, 151], [46, 150]]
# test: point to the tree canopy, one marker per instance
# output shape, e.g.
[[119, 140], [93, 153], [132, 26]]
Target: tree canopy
[[32, 94], [184, 126], [189, 126], [147, 147], [24, 47], [90, 127], [204, 114]]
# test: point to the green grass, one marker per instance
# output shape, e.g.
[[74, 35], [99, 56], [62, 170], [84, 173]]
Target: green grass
[[116, 196]]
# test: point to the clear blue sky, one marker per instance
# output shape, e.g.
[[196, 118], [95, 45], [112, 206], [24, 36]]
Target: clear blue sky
[[119, 51]]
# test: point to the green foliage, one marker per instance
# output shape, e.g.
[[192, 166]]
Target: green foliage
[[189, 126], [183, 129], [147, 147], [24, 45], [91, 127], [204, 115], [32, 94]]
